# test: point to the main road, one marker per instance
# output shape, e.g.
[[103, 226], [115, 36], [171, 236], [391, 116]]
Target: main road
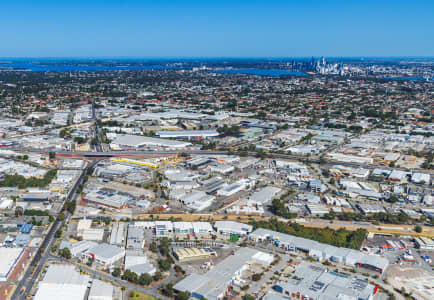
[[40, 258]]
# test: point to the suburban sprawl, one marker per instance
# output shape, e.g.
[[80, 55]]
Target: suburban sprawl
[[217, 179]]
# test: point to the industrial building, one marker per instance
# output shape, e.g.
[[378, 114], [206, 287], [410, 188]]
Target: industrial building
[[105, 254], [9, 257], [265, 195], [62, 282], [424, 243], [215, 283], [188, 254], [124, 141], [137, 262], [107, 199], [163, 228], [234, 188], [135, 237], [92, 234], [187, 134], [100, 290], [315, 283], [117, 235], [232, 228], [321, 251], [196, 200]]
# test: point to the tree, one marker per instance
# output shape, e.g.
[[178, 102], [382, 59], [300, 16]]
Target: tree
[[58, 233], [248, 297], [158, 276], [418, 228], [167, 290], [65, 253], [153, 247], [19, 211], [164, 264], [183, 295], [256, 276], [145, 279], [116, 272], [61, 216]]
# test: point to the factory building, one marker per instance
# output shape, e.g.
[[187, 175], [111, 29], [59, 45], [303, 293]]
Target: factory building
[[216, 283], [9, 258], [117, 234], [312, 282], [105, 254], [321, 251], [232, 228]]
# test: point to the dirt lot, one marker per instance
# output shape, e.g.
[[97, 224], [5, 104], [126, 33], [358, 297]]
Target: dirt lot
[[417, 281]]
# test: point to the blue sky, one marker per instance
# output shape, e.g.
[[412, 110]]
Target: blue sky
[[221, 28]]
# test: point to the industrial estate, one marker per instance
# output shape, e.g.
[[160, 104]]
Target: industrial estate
[[253, 179]]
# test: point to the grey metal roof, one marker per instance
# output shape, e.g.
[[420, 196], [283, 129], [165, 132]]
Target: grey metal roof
[[65, 274], [100, 290]]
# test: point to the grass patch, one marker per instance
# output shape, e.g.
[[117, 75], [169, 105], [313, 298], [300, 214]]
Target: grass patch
[[134, 295]]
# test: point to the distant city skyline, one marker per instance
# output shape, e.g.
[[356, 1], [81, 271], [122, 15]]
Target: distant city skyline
[[216, 29]]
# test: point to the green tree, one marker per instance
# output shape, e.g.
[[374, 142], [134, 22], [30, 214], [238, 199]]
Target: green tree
[[116, 272], [145, 279], [418, 228], [65, 253]]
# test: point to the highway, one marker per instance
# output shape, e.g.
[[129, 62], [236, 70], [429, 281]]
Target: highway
[[40, 258]]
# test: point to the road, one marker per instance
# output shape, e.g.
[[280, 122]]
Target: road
[[323, 162], [41, 256], [97, 133]]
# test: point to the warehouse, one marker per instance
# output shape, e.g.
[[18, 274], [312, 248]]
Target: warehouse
[[137, 262], [203, 134], [122, 141], [135, 237], [188, 254], [26, 228], [314, 282], [265, 195], [62, 282], [321, 251], [117, 234], [221, 168], [183, 228], [92, 234], [107, 200], [100, 290], [213, 184], [232, 188], [424, 243], [197, 200], [232, 228], [202, 228], [37, 197], [163, 228], [78, 248], [9, 257], [214, 284], [105, 254], [83, 224], [317, 209]]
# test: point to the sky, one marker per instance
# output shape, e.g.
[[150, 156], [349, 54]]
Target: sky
[[208, 28]]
